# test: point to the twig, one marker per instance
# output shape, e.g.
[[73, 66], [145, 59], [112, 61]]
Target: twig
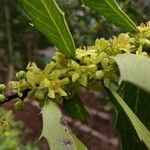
[[14, 96]]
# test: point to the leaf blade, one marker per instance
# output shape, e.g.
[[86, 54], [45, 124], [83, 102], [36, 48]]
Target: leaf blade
[[141, 130], [132, 69], [56, 131], [76, 109], [49, 19], [138, 101], [111, 10]]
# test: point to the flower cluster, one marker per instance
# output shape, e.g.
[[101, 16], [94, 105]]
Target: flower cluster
[[91, 64]]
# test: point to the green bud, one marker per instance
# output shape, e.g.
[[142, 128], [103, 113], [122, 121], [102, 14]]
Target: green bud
[[40, 94], [147, 43], [19, 105], [21, 74], [99, 74], [2, 98], [2, 87]]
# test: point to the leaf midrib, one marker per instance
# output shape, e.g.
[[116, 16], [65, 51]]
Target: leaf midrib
[[67, 48], [55, 25], [120, 14]]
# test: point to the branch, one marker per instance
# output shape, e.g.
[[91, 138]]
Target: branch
[[14, 96]]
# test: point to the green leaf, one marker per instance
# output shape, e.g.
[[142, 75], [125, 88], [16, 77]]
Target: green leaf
[[141, 130], [139, 102], [75, 108], [56, 131], [47, 17], [134, 69], [79, 144], [111, 10]]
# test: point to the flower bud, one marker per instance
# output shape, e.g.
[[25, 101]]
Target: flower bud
[[19, 105], [40, 94], [99, 74], [2, 98], [21, 74], [2, 87]]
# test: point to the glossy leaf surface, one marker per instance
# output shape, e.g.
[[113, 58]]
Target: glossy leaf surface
[[47, 17], [141, 130], [75, 108], [111, 10], [139, 102]]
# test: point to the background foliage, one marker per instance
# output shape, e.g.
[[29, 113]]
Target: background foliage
[[10, 131]]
